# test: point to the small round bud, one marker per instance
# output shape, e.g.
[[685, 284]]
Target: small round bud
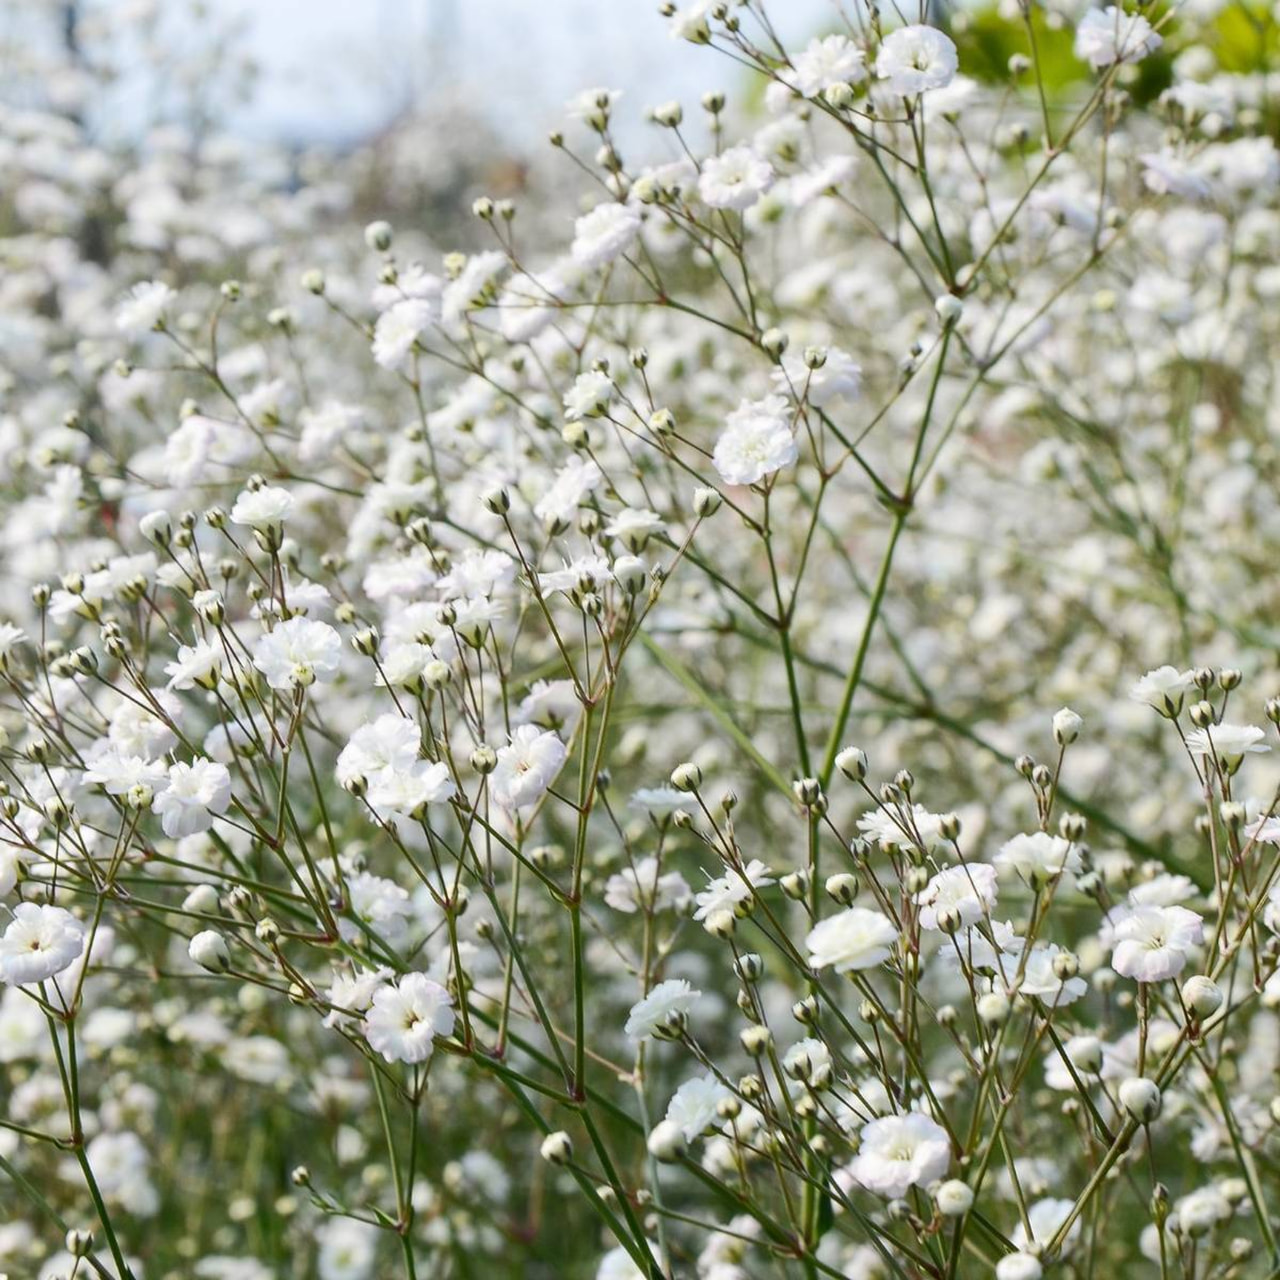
[[498, 501], [1140, 1097], [1066, 726], [686, 777], [852, 763], [209, 950], [808, 791], [755, 1040], [1019, 1266], [953, 1198], [79, 1241], [378, 236], [948, 309], [557, 1148], [795, 884], [1202, 996], [842, 888], [993, 1008], [721, 924], [666, 1141], [706, 502], [157, 527], [805, 1011], [774, 342]]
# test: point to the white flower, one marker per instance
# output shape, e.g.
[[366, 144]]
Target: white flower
[[10, 638], [1040, 980], [1167, 173], [197, 663], [194, 795], [756, 442], [40, 942], [348, 1249], [407, 792], [900, 1152], [969, 891], [1151, 943], [1110, 35], [350, 994], [1227, 743], [1163, 689], [690, 23], [914, 59], [392, 741], [527, 766], [573, 483], [693, 1106], [589, 395], [1019, 1266], [264, 508], [144, 307], [855, 939], [604, 234], [13, 858], [732, 890], [120, 1166], [404, 1020], [660, 801], [736, 179], [838, 376], [828, 61], [618, 1264], [398, 328], [662, 1007], [297, 653], [379, 904], [117, 774], [641, 887], [1038, 857]]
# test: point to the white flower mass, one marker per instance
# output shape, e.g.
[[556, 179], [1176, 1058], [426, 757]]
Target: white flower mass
[[696, 702]]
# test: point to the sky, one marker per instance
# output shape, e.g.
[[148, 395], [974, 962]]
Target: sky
[[335, 70]]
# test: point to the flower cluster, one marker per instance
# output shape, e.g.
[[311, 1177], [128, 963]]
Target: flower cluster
[[430, 679]]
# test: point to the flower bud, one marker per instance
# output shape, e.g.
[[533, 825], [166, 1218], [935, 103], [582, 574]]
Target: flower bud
[[79, 1241], [706, 502], [1019, 1266], [774, 342], [557, 1148], [842, 888], [686, 777], [1202, 996], [666, 1141], [1066, 726], [993, 1008], [795, 884], [953, 1198], [852, 763], [378, 236], [948, 308], [1140, 1097], [209, 950]]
